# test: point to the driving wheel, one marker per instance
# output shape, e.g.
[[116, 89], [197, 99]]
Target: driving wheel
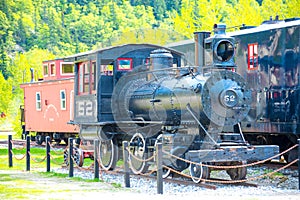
[[108, 154], [137, 154]]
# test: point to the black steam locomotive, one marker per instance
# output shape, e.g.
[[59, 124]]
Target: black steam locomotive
[[144, 94]]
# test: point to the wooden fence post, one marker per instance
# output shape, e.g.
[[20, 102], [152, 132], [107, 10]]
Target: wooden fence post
[[126, 165], [48, 154], [70, 158], [96, 156], [27, 153], [159, 168], [10, 160]]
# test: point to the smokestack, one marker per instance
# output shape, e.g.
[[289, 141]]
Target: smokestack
[[199, 38]]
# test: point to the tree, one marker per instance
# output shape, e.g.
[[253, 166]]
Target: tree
[[159, 9], [238, 15], [5, 94], [292, 9], [271, 8], [5, 42]]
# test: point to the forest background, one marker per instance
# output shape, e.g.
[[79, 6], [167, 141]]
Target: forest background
[[32, 31]]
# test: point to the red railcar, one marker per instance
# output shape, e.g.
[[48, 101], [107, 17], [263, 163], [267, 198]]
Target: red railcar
[[48, 103]]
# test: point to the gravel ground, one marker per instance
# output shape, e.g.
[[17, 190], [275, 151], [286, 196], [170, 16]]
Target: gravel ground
[[284, 186]]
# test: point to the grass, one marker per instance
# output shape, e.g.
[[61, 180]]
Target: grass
[[17, 183], [61, 175], [17, 191], [49, 185]]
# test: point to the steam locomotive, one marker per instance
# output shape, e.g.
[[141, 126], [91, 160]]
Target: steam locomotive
[[144, 94], [268, 57]]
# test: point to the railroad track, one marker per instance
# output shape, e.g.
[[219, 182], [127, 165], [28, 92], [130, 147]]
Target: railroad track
[[176, 179]]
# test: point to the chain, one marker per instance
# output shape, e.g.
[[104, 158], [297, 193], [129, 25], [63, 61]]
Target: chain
[[233, 166], [82, 168], [18, 148], [53, 160], [36, 161], [234, 181], [16, 156], [56, 151]]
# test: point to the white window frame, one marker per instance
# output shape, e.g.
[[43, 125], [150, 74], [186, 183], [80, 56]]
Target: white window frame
[[63, 102], [50, 68], [38, 101], [61, 68], [47, 67]]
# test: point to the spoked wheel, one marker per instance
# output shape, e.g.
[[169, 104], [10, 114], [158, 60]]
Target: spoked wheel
[[199, 172], [108, 154], [237, 173], [77, 155], [166, 172], [137, 154]]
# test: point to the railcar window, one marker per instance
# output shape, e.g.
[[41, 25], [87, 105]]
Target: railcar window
[[83, 78], [124, 64], [80, 79], [86, 80], [52, 69], [107, 70], [63, 100], [45, 69], [252, 56], [93, 76], [67, 68], [38, 101]]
